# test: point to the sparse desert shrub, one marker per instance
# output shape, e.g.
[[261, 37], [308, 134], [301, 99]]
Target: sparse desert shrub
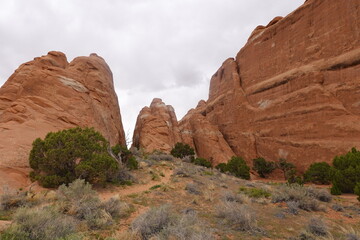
[[161, 157], [193, 188], [40, 224], [202, 162], [185, 170], [153, 221], [187, 226], [263, 167], [319, 173], [296, 193], [116, 208], [128, 235], [81, 201], [293, 207], [317, 227], [69, 154], [12, 199], [320, 194], [241, 216], [337, 207], [255, 192], [350, 233], [238, 167], [233, 197], [182, 150]]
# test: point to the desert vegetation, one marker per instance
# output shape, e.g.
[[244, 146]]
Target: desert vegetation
[[75, 153], [173, 198]]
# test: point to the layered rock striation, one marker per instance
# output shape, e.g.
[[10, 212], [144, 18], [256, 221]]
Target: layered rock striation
[[50, 94], [293, 91]]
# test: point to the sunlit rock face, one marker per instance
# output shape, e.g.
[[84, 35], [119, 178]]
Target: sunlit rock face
[[50, 94], [293, 90], [156, 128]]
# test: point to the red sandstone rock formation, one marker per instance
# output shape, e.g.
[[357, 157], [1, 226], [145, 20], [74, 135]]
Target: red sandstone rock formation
[[156, 128], [293, 90], [50, 94]]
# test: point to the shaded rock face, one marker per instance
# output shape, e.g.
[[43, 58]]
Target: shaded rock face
[[156, 128], [293, 90], [50, 94], [205, 138]]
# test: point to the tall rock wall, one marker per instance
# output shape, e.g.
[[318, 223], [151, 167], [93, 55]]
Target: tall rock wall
[[293, 90], [50, 94]]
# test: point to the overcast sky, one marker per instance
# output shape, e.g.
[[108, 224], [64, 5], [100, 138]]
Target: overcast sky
[[159, 48]]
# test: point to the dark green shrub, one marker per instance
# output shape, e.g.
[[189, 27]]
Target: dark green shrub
[[238, 167], [357, 190], [202, 162], [222, 167], [70, 154], [132, 163], [335, 190], [263, 167], [182, 150], [346, 172], [125, 156], [319, 173], [288, 169]]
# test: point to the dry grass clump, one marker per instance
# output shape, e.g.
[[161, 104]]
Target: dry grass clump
[[350, 233], [162, 223], [241, 216], [13, 199], [81, 201], [305, 199], [161, 157], [186, 227], [116, 208], [320, 194], [193, 188], [153, 221], [229, 196], [40, 224], [337, 207], [185, 170], [128, 235]]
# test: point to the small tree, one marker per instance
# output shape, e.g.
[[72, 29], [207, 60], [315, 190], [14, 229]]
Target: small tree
[[182, 150], [263, 167], [238, 167], [287, 168], [319, 173], [125, 156], [69, 154], [346, 172]]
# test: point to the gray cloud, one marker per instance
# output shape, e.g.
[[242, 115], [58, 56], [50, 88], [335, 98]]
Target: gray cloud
[[157, 48]]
